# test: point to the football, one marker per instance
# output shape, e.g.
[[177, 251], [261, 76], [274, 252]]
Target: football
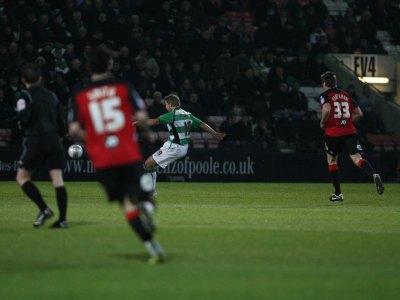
[[75, 151]]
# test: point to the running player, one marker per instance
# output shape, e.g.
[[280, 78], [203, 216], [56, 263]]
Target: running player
[[339, 112], [102, 118]]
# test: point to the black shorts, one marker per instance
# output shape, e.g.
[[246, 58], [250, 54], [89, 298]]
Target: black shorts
[[44, 150], [125, 181], [346, 143]]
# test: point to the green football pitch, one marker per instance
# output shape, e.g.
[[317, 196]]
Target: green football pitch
[[224, 241]]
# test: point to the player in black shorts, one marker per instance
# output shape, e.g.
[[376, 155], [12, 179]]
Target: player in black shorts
[[339, 112], [112, 145], [337, 144], [40, 114]]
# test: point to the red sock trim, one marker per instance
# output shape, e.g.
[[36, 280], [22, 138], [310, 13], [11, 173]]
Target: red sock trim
[[333, 167], [132, 215], [360, 162]]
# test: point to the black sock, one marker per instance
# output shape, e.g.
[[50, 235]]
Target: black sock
[[334, 172], [366, 167], [61, 195], [136, 223], [34, 194]]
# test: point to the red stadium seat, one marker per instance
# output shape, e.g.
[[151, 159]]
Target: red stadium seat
[[197, 140], [375, 140], [387, 142], [210, 141], [216, 121]]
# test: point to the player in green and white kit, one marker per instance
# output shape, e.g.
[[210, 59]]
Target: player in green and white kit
[[179, 123]]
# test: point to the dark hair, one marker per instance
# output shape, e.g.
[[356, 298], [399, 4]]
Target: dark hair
[[31, 73], [329, 78], [99, 60], [173, 100]]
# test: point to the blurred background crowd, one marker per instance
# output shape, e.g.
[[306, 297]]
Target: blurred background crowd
[[240, 65]]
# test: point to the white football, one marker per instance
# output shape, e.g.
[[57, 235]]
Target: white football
[[75, 151]]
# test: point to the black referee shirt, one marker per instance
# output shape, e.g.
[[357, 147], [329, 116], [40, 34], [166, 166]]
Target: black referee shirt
[[40, 112]]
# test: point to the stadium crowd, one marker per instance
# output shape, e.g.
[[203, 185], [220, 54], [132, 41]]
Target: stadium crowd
[[242, 60]]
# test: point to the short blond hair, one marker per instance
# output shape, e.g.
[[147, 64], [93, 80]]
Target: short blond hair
[[173, 100]]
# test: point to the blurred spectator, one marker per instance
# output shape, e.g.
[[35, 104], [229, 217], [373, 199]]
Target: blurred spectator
[[224, 66], [348, 45], [60, 87], [152, 67], [257, 64], [185, 90], [317, 68], [194, 106], [367, 25], [229, 127], [12, 88], [204, 92], [297, 102], [316, 35], [279, 101], [299, 68], [264, 37], [6, 110], [221, 98], [42, 31], [309, 133], [157, 108], [70, 52], [60, 62], [264, 136], [74, 73], [166, 81], [351, 89], [276, 75], [195, 74], [244, 131], [205, 47], [179, 72], [139, 76], [246, 89]]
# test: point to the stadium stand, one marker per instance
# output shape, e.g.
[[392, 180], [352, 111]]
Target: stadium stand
[[229, 53]]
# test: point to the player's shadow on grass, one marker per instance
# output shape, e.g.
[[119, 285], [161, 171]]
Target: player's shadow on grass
[[136, 256], [83, 223]]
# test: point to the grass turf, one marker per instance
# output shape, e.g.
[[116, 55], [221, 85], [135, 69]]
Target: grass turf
[[224, 241]]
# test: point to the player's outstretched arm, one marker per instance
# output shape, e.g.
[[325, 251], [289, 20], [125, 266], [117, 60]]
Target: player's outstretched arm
[[218, 135], [141, 122], [148, 122]]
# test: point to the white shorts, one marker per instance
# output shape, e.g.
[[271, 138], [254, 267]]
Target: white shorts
[[169, 153]]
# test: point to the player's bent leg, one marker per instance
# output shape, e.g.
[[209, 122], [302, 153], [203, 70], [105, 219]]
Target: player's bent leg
[[365, 166], [142, 223], [29, 188], [334, 174], [150, 167], [57, 180], [378, 183]]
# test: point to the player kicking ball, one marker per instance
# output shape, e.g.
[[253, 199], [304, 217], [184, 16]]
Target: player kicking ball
[[179, 123]]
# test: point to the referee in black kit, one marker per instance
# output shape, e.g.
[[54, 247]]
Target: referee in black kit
[[40, 114]]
